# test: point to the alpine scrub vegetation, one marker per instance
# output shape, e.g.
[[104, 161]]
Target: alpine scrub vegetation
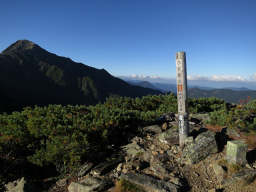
[[66, 136], [241, 117]]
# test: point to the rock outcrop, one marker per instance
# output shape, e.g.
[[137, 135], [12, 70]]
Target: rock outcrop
[[155, 162]]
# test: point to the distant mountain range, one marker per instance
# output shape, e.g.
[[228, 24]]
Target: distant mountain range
[[30, 75], [229, 94], [232, 96]]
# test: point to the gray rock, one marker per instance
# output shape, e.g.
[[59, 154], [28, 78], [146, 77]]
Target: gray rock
[[236, 152], [90, 184], [140, 164], [159, 169], [150, 184], [204, 145], [16, 186], [154, 129], [106, 166], [231, 132], [84, 169], [169, 136], [62, 182], [219, 172], [133, 149], [246, 176], [167, 117], [146, 156], [21, 185], [189, 140]]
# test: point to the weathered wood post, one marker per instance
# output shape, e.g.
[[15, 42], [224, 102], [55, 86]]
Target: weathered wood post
[[182, 97]]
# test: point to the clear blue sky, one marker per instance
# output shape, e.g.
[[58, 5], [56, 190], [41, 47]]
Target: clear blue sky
[[139, 36]]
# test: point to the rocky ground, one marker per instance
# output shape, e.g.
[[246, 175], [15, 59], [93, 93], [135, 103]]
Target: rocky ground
[[153, 162]]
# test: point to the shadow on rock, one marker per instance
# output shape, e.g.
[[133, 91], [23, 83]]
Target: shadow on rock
[[222, 139], [195, 132], [251, 156]]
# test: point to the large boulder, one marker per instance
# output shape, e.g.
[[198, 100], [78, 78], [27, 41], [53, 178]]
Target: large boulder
[[21, 185], [204, 145], [152, 129], [243, 177], [16, 186], [133, 150], [150, 184], [84, 169], [89, 184], [107, 165], [171, 136]]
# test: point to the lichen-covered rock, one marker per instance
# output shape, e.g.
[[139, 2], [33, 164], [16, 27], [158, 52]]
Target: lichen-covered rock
[[16, 186], [89, 184], [169, 136], [132, 150], [84, 169], [154, 129], [106, 166], [219, 171], [244, 177], [150, 184], [21, 185], [204, 145], [232, 132], [236, 152]]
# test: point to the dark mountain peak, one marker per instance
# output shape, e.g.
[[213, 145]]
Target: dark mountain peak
[[21, 45]]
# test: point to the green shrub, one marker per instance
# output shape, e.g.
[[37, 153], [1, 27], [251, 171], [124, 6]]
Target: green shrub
[[65, 136]]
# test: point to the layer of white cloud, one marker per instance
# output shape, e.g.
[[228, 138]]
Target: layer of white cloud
[[144, 76], [217, 78], [254, 77]]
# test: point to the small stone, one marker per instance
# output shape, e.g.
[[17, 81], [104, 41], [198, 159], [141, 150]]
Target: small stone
[[191, 123], [152, 147], [146, 156], [154, 153], [164, 126], [248, 166], [62, 182], [175, 149], [84, 169], [189, 140], [236, 152], [231, 132], [219, 172], [119, 167], [175, 180], [254, 165], [212, 190], [124, 170]]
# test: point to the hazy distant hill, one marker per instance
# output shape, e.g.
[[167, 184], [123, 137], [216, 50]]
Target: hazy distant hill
[[144, 84], [227, 94], [30, 75]]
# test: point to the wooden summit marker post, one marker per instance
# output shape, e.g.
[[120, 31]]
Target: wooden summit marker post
[[182, 97]]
